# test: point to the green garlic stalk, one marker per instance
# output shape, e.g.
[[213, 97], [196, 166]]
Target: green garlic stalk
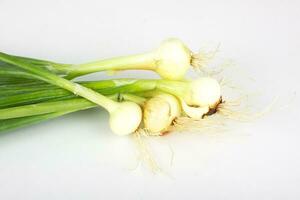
[[75, 104], [170, 60], [20, 116]]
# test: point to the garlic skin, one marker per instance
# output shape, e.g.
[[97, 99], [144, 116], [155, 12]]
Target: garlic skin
[[126, 118], [160, 111], [173, 59], [194, 112], [203, 92]]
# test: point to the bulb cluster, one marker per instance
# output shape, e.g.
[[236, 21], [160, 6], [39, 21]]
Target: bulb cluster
[[169, 98]]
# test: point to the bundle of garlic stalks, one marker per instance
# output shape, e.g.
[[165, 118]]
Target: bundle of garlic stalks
[[34, 90]]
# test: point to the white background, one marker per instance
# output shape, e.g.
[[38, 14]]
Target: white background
[[77, 157]]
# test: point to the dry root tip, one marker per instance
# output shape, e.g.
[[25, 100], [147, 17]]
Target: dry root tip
[[146, 132], [200, 60], [237, 111], [215, 108], [205, 125], [145, 153]]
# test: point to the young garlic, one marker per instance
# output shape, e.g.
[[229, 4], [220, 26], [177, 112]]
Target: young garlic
[[159, 112], [204, 94], [125, 118], [197, 96], [170, 60]]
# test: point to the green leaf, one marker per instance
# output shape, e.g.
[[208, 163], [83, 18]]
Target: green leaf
[[54, 67], [10, 124]]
